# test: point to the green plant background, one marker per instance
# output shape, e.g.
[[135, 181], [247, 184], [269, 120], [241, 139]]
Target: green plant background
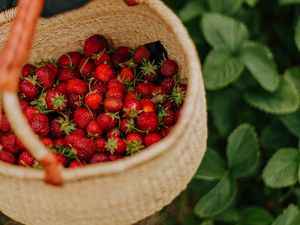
[[251, 67]]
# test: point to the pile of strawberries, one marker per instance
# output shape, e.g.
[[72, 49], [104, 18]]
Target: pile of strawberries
[[98, 106]]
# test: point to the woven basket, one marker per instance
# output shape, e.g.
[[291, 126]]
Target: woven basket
[[125, 191]]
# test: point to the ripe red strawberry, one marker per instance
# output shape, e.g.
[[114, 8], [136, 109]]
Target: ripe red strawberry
[[101, 58], [145, 89], [131, 95], [165, 131], [72, 138], [168, 104], [40, 124], [100, 144], [126, 74], [117, 59], [115, 145], [100, 88], [93, 129], [104, 73], [29, 90], [113, 104], [149, 71], [70, 59], [45, 76], [132, 108], [8, 143], [62, 87], [82, 117], [60, 142], [23, 104], [84, 148], [127, 125], [61, 159], [114, 92], [148, 106], [20, 144], [169, 68], [28, 70], [132, 137], [106, 121], [134, 144], [147, 122], [168, 83], [66, 74], [61, 126], [56, 100], [48, 142], [53, 67], [99, 158], [26, 159], [169, 118], [79, 132], [75, 100], [113, 133], [93, 100], [94, 45], [77, 86], [86, 67], [4, 124], [7, 157], [158, 94], [152, 138], [115, 157], [117, 83], [76, 164], [141, 54], [29, 112], [124, 51], [177, 114]]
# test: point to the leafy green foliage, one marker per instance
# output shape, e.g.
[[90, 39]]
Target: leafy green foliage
[[290, 216]]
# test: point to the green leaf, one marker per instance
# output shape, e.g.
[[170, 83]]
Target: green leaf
[[297, 34], [223, 31], [259, 61], [255, 216], [212, 166], [221, 68], [228, 7], [290, 216], [282, 169], [293, 75], [292, 122], [251, 3], [231, 215], [287, 2], [207, 222], [218, 199], [242, 151], [283, 101], [192, 10]]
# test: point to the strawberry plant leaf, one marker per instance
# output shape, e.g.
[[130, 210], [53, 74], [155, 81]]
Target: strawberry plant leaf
[[242, 151], [290, 216], [292, 122], [258, 60], [207, 222], [294, 75], [212, 166], [255, 216], [230, 215], [284, 100], [231, 34], [192, 10], [297, 34], [282, 169], [217, 199], [221, 68], [287, 2], [227, 7], [251, 3]]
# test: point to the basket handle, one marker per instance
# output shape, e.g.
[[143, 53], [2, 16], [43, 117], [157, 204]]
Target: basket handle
[[12, 58]]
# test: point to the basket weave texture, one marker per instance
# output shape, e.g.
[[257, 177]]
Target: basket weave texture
[[127, 191]]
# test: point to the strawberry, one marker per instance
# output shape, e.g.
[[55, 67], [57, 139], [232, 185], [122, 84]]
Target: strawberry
[[100, 88], [149, 71], [53, 67], [114, 92], [158, 94], [95, 44], [141, 54], [100, 144], [113, 104], [70, 59], [28, 70], [93, 129], [131, 95], [26, 159], [75, 100], [152, 138], [61, 159], [169, 118], [132, 137], [169, 68], [20, 144], [61, 126], [124, 51], [117, 83], [86, 67], [78, 132], [62, 87], [76, 164], [66, 74], [84, 148], [148, 106], [8, 142], [48, 142], [127, 125], [168, 84], [77, 86], [117, 59], [4, 124], [115, 145], [115, 157], [29, 112], [99, 158], [23, 104], [134, 144], [93, 100], [104, 73], [145, 89], [29, 90], [165, 131], [59, 142], [147, 122], [7, 157], [132, 108], [106, 121], [177, 114], [40, 124], [168, 104], [82, 117], [113, 133], [45, 76], [126, 74], [56, 100], [101, 58]]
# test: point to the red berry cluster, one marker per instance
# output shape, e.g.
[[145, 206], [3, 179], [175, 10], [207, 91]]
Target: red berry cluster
[[97, 106]]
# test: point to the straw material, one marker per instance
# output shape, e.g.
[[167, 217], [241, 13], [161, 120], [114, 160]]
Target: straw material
[[129, 190]]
